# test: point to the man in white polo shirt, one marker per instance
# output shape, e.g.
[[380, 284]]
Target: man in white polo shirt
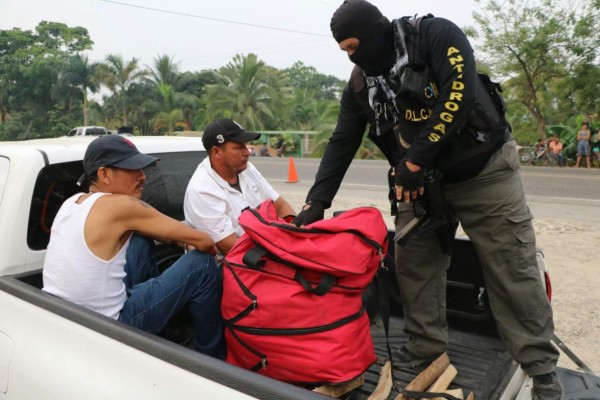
[[225, 183]]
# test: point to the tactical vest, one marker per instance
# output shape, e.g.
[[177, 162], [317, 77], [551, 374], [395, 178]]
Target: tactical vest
[[483, 133]]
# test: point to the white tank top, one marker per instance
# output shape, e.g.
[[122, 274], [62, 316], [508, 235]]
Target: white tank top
[[73, 272]]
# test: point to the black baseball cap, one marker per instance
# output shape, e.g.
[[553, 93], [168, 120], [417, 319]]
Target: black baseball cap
[[113, 151], [225, 130]]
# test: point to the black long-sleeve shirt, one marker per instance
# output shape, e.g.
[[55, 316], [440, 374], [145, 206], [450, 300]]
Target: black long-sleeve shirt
[[432, 121]]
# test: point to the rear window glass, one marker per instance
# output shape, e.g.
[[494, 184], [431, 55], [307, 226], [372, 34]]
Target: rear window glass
[[164, 190], [167, 180], [55, 184], [95, 131]]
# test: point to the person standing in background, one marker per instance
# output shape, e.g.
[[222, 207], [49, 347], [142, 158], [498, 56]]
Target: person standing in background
[[583, 145]]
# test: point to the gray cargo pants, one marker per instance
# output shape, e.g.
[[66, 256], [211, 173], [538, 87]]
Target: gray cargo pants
[[492, 210]]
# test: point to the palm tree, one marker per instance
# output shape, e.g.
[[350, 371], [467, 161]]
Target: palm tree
[[169, 120], [81, 74], [118, 76], [247, 93], [165, 75]]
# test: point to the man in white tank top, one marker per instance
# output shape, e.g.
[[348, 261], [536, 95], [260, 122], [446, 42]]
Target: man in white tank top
[[225, 183], [95, 260]]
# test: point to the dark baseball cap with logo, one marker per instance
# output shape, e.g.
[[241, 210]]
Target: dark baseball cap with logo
[[113, 151], [225, 130]]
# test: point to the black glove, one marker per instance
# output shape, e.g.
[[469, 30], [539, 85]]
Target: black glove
[[313, 211], [408, 180]]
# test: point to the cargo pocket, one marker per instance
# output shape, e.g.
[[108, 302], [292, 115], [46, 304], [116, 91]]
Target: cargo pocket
[[521, 227]]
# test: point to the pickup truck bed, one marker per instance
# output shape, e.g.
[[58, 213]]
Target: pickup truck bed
[[480, 359]]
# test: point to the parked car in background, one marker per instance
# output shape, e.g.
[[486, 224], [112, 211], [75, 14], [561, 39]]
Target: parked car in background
[[125, 130], [88, 131]]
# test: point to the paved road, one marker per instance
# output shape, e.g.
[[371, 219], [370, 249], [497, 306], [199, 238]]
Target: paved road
[[566, 192]]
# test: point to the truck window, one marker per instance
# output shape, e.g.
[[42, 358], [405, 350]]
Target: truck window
[[165, 189], [95, 131], [72, 132], [167, 180], [55, 184]]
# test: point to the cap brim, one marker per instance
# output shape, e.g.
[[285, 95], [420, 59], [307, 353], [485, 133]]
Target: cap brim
[[243, 137], [137, 161]]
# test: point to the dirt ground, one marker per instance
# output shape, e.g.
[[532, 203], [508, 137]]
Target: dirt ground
[[571, 250], [572, 253]]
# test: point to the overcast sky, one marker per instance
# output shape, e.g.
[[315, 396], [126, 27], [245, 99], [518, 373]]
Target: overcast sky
[[196, 34]]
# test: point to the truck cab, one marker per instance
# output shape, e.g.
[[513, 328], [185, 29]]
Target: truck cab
[[87, 131]]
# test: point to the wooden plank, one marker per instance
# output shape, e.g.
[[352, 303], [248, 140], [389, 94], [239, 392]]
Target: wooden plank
[[444, 380], [384, 386], [428, 376], [339, 390], [471, 396], [458, 393]]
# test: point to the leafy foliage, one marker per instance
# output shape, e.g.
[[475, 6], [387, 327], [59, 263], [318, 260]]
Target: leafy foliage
[[538, 48], [247, 92], [544, 52]]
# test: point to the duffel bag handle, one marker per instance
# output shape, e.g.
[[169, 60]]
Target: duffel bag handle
[[254, 258], [322, 287]]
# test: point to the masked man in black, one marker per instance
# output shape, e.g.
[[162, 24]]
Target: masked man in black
[[416, 86]]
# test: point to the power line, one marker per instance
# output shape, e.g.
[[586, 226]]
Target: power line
[[214, 19]]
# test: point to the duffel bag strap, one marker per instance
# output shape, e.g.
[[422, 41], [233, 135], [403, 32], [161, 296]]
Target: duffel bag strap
[[426, 395], [254, 258], [325, 284]]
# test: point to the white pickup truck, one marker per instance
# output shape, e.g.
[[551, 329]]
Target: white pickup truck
[[52, 349]]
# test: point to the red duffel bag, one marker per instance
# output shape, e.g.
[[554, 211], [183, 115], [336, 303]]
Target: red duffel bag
[[292, 296]]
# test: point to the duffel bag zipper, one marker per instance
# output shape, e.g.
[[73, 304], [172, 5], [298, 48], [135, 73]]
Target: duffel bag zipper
[[272, 257], [299, 331], [293, 228]]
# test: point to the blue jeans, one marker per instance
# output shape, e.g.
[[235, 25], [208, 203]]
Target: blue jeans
[[192, 281]]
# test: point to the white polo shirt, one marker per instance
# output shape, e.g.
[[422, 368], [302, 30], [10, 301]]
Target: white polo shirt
[[213, 206]]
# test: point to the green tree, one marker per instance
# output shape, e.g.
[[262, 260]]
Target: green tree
[[191, 90], [29, 72], [81, 74], [246, 93], [168, 121], [164, 73], [308, 78], [306, 112], [118, 76], [534, 44]]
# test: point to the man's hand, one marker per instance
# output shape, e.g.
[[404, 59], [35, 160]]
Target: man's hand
[[313, 211], [205, 244], [409, 181]]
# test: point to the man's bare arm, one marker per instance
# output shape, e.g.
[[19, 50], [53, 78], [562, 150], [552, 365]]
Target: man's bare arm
[[283, 208], [224, 245], [137, 215]]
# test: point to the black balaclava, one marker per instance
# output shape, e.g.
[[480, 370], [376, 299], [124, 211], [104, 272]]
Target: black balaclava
[[362, 20]]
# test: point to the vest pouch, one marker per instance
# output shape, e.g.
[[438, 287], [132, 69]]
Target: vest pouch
[[416, 82], [469, 151], [493, 91]]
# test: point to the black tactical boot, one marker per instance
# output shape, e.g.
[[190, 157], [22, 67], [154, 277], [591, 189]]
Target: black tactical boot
[[404, 358], [547, 387]]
